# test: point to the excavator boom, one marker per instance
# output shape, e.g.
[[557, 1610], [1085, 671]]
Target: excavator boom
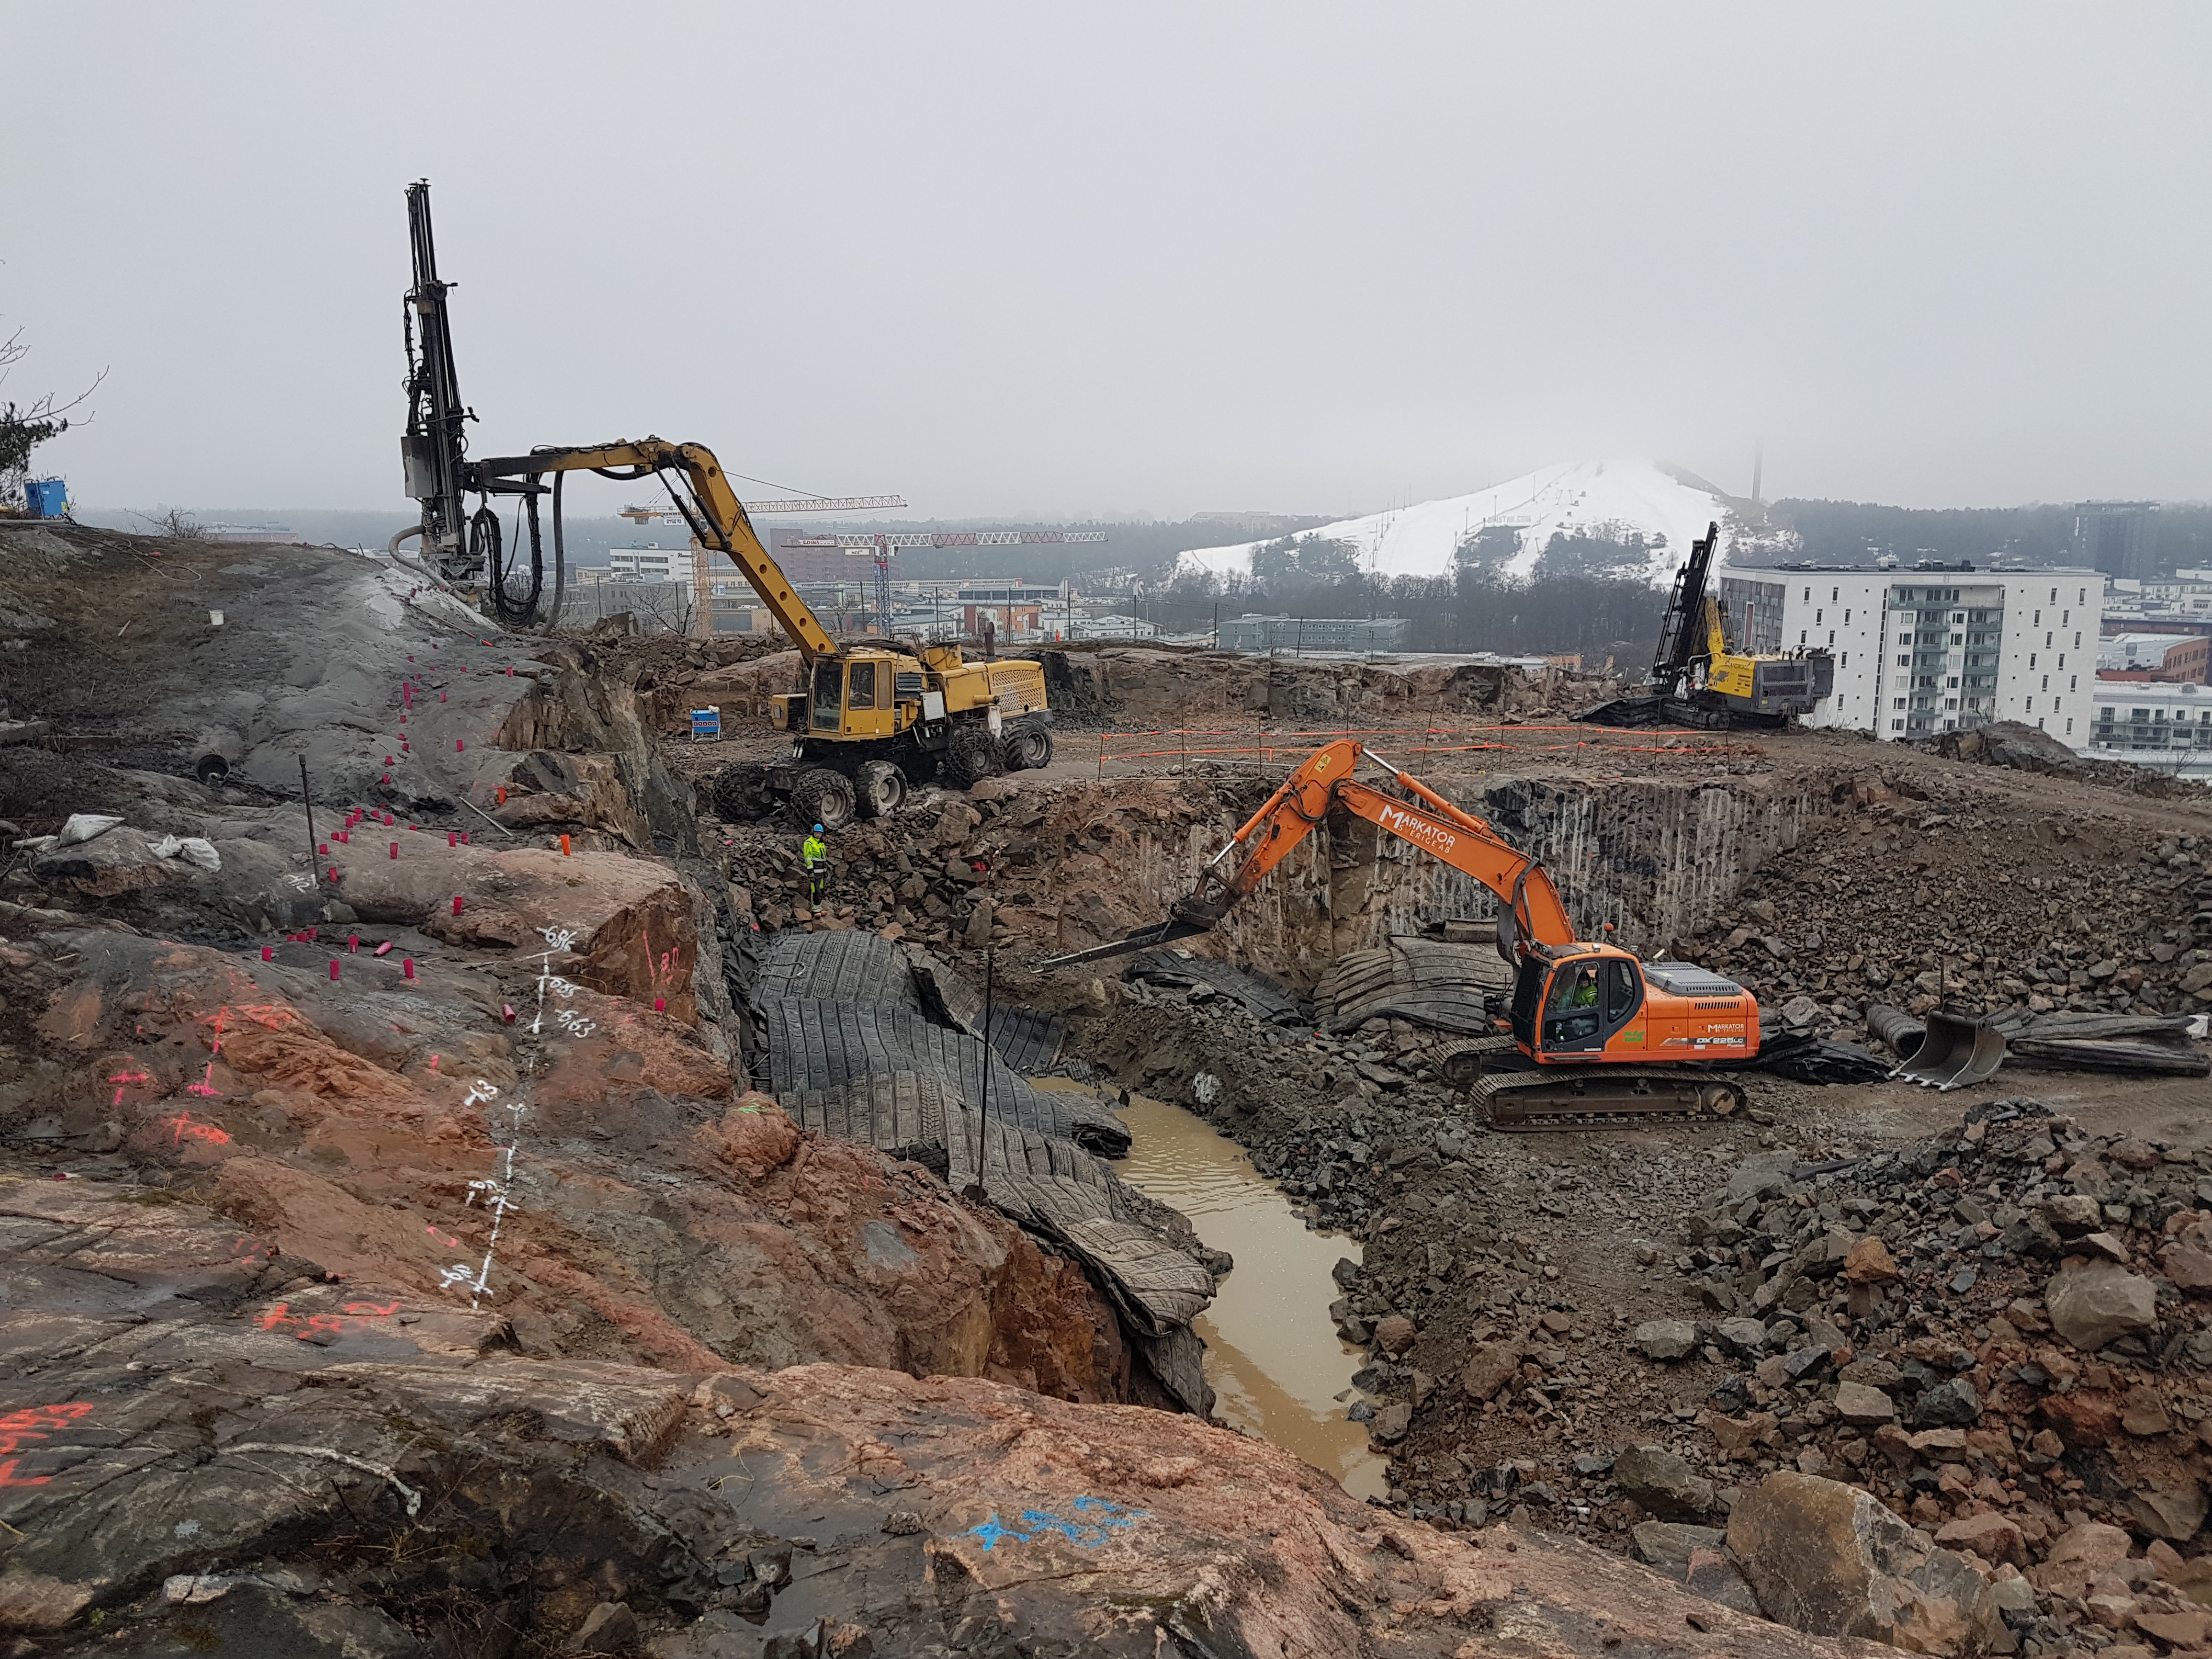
[[1532, 914], [716, 514]]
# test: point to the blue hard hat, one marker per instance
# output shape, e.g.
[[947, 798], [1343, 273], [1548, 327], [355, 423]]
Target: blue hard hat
[[817, 828]]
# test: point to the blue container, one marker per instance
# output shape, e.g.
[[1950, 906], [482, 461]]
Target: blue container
[[49, 498]]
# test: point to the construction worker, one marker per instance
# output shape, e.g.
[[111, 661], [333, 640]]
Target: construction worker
[[816, 857]]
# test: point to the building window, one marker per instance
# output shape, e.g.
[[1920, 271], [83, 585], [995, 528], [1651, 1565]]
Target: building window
[[1831, 636], [2074, 683], [1901, 702], [1818, 614], [2061, 659], [2028, 706], [1808, 596], [2046, 637], [1801, 636], [2031, 660], [1897, 726], [1835, 594], [1905, 662], [2038, 621], [2081, 597], [2069, 726], [2046, 682], [1847, 615], [2077, 639], [2065, 616]]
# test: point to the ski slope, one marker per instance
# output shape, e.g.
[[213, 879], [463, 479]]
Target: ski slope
[[1669, 508]]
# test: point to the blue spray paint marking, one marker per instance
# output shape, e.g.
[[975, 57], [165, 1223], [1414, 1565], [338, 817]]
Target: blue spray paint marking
[[1103, 1515]]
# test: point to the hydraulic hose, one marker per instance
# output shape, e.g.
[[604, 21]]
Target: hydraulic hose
[[560, 554]]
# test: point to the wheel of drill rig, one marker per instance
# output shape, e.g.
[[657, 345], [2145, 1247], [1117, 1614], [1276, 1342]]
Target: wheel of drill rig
[[880, 789], [1029, 747], [971, 757], [821, 796], [741, 794]]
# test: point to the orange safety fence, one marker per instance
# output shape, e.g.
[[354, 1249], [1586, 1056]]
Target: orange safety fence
[[1610, 738]]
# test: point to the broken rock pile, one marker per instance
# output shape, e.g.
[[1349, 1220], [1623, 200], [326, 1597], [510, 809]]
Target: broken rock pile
[[2000, 1334]]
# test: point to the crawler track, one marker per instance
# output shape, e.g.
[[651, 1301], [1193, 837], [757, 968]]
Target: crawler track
[[1519, 1098]]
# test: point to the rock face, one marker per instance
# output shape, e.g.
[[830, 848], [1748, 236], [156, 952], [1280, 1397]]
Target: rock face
[[1826, 1559], [214, 1459], [1662, 1483], [2099, 1302]]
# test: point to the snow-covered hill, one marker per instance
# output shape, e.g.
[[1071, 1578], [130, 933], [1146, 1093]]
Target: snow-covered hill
[[1623, 518]]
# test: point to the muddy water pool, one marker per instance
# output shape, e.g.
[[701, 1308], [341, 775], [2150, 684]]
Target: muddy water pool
[[1272, 1356]]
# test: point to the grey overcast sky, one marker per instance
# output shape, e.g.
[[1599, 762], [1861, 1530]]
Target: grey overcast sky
[[1131, 260]]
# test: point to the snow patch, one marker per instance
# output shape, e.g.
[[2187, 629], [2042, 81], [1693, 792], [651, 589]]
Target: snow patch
[[1618, 501]]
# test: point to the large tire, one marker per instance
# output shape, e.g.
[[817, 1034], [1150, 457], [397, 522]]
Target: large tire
[[1029, 747], [880, 789], [741, 794], [972, 756], [821, 796]]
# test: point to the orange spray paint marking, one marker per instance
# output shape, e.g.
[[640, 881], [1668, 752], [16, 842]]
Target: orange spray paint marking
[[30, 1423], [123, 1080], [446, 1239], [184, 1126], [205, 1087]]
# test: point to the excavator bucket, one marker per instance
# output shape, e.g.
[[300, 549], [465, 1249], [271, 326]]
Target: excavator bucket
[[1956, 1052]]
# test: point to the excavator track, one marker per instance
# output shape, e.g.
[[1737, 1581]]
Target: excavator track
[[1463, 1062], [1603, 1097]]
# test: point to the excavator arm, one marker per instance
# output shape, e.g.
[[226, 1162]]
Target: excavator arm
[[1532, 914], [712, 510]]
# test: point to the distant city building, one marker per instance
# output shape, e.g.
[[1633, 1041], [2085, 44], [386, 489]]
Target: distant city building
[[248, 533], [1321, 634], [1919, 652], [2163, 657], [641, 563], [2154, 723], [2119, 539]]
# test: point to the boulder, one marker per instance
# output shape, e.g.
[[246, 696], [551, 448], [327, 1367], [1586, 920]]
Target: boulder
[[610, 1627], [2171, 1512], [1391, 1423], [1869, 1262], [1394, 1334], [1662, 1483], [2092, 1546], [1667, 1339], [2144, 1414], [2099, 1302], [1489, 1367], [1667, 1545], [2176, 1630], [2072, 1214], [1993, 1537], [1745, 1337], [1827, 1559], [2189, 1268], [1864, 1408], [1952, 1404]]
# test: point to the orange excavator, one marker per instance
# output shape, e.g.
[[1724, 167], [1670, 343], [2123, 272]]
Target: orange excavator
[[1594, 1036]]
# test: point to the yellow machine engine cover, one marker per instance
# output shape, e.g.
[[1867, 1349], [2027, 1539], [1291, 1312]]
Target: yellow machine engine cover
[[785, 711], [1018, 687]]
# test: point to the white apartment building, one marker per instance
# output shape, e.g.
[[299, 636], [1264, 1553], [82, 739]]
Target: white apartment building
[[641, 562], [1923, 650], [2154, 723]]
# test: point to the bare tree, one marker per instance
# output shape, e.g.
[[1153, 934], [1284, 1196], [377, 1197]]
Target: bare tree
[[24, 426], [173, 522]]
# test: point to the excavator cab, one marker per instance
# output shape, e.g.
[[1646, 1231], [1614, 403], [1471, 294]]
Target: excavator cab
[[1577, 1006]]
